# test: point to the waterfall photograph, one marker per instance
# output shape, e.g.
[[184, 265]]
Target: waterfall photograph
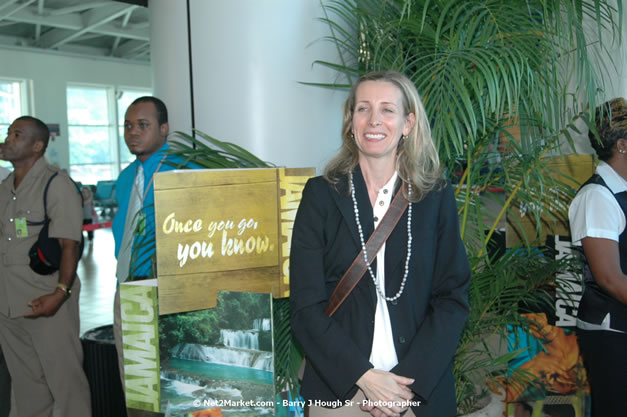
[[219, 358]]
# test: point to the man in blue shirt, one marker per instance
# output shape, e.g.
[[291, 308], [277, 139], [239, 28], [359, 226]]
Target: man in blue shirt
[[145, 131]]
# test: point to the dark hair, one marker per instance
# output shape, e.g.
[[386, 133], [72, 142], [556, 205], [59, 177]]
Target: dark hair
[[42, 133], [611, 125], [162, 111]]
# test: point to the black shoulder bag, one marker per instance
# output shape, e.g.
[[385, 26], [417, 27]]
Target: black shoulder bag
[[45, 254]]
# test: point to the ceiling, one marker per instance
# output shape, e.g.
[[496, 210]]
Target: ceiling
[[103, 28]]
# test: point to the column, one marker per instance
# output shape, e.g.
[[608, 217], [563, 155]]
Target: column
[[248, 62]]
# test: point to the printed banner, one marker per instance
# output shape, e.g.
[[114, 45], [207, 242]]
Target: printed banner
[[139, 314], [551, 379], [198, 340], [212, 362], [232, 233], [570, 287]]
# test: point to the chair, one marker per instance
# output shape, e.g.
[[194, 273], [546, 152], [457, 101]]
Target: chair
[[104, 197]]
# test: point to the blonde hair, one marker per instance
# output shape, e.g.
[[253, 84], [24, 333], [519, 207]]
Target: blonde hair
[[417, 160]]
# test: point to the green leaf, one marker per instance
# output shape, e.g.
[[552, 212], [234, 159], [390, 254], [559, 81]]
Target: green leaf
[[484, 68]]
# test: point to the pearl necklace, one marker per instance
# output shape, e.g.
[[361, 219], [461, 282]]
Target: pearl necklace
[[363, 245]]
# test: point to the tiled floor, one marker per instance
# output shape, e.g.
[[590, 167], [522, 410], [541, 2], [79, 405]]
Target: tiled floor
[[96, 270]]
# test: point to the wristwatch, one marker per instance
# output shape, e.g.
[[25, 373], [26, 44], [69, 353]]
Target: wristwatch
[[65, 289]]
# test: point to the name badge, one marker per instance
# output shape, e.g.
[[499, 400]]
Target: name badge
[[21, 229]]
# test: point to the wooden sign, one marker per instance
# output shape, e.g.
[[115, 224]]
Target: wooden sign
[[224, 230], [573, 170]]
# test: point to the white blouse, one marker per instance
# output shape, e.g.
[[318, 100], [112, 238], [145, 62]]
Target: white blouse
[[383, 354]]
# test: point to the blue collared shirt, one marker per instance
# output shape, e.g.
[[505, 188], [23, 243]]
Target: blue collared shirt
[[144, 246]]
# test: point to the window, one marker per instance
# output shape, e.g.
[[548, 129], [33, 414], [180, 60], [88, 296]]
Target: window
[[91, 156], [12, 105], [96, 135]]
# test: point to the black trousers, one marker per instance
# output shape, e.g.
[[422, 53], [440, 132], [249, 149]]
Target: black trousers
[[605, 358]]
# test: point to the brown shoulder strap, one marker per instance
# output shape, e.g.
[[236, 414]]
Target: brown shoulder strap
[[357, 269]]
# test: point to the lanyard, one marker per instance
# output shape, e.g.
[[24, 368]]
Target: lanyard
[[152, 177]]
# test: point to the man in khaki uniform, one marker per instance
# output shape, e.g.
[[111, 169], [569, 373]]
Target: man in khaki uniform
[[39, 322]]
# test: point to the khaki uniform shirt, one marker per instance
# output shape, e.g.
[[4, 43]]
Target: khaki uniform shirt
[[18, 283]]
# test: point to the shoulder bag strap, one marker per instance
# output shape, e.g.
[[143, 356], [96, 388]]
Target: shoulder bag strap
[[357, 269], [45, 220]]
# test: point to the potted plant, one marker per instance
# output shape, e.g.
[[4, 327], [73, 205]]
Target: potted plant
[[487, 68]]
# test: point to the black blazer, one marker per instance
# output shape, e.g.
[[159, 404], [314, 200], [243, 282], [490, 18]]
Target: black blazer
[[426, 320]]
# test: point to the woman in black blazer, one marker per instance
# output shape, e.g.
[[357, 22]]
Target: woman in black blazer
[[389, 347]]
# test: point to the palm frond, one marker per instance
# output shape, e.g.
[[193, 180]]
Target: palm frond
[[484, 69], [288, 354], [208, 152]]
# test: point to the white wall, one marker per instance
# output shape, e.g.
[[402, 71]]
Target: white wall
[[169, 54], [252, 90], [50, 74], [614, 79], [248, 62]]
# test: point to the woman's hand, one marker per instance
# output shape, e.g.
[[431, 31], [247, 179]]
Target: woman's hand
[[374, 412], [387, 389]]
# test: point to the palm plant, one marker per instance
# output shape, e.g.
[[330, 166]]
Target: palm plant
[[208, 152], [484, 69]]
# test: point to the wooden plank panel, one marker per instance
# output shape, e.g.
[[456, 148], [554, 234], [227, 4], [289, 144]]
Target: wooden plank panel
[[199, 178], [199, 291], [554, 219], [224, 230], [291, 182], [216, 228]]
